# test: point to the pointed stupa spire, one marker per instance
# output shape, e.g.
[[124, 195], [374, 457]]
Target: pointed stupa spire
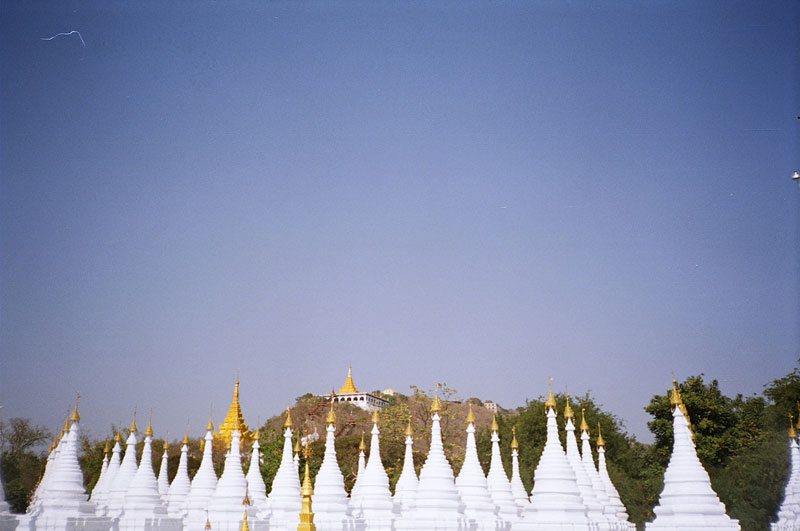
[[204, 483], [125, 474], [180, 486], [517, 487], [406, 487], [498, 482], [255, 481], [98, 487], [792, 432], [163, 472], [568, 413], [331, 418], [584, 425], [285, 495], [362, 448], [306, 512], [296, 451], [611, 491], [76, 417], [288, 423], [134, 428], [148, 432], [234, 421], [330, 497], [362, 445], [436, 405], [594, 476], [600, 441], [687, 500], [349, 387], [373, 500], [472, 487], [556, 502], [594, 508], [790, 506], [226, 503], [550, 402], [101, 492]]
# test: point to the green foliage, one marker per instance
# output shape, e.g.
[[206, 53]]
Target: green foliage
[[21, 464]]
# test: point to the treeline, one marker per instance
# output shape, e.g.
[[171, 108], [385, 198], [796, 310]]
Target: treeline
[[741, 441]]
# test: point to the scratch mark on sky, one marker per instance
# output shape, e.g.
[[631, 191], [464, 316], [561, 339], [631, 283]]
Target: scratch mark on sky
[[66, 34]]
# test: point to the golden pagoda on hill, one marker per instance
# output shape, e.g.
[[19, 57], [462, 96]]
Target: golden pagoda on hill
[[349, 393], [234, 421]]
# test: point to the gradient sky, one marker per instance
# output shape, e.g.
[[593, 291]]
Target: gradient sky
[[484, 194]]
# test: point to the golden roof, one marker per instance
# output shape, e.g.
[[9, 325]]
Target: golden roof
[[409, 433], [376, 417], [792, 432], [76, 417], [288, 423], [436, 406], [584, 425], [331, 416], [495, 427], [234, 421], [362, 445], [600, 440], [568, 413], [349, 387], [470, 415], [551, 401], [514, 443]]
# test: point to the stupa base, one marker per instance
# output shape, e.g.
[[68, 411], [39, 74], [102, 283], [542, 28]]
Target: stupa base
[[149, 522], [432, 522]]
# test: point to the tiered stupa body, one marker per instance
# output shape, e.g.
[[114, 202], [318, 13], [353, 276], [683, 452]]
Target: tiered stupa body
[[330, 499], [123, 476], [437, 504], [611, 491], [143, 507], [473, 488], [284, 499], [64, 504], [181, 484], [48, 470], [163, 473], [687, 501], [225, 507], [102, 492], [517, 487], [373, 503], [405, 490], [98, 486], [362, 465], [556, 502], [789, 511], [497, 481], [255, 481], [594, 510], [609, 511], [204, 483]]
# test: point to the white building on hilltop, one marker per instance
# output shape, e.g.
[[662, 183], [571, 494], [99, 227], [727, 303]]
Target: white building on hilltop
[[349, 393]]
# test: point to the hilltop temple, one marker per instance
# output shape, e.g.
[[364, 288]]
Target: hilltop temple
[[350, 394]]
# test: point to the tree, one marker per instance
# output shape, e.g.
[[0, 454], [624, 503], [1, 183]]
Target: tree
[[22, 466]]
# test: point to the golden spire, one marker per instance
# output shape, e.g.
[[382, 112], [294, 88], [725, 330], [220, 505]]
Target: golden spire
[[297, 446], [210, 425], [514, 443], [186, 437], [118, 437], [149, 430], [331, 416], [584, 425], [495, 427], [288, 423], [568, 413], [470, 415], [675, 395], [306, 514], [166, 443], [234, 421], [134, 428], [208, 522], [362, 445], [245, 527], [376, 417], [349, 387], [106, 448], [76, 417], [551, 401], [600, 440], [797, 426], [436, 406], [792, 432], [409, 433], [65, 427]]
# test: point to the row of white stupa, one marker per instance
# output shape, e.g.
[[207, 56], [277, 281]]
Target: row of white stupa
[[569, 492], [789, 511]]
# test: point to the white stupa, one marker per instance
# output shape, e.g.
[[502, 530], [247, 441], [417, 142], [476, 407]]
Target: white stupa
[[255, 481], [225, 506], [64, 503], [284, 499], [163, 472], [473, 488], [789, 511], [611, 491], [362, 465], [374, 503], [556, 502], [181, 484], [98, 486], [101, 492], [517, 487], [296, 458], [609, 511], [124, 476], [437, 504], [329, 501], [499, 485], [687, 501], [405, 490], [143, 507], [52, 457], [204, 483], [594, 510]]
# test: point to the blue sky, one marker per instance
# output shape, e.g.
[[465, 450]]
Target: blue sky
[[483, 194]]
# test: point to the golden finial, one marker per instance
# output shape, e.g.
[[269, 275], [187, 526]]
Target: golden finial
[[166, 443], [236, 389], [186, 437], [362, 445], [470, 415], [551, 401], [675, 394], [288, 423], [208, 522], [376, 418], [245, 527], [149, 430], [331, 415], [514, 443], [246, 500], [436, 406], [495, 427], [210, 425], [600, 440], [568, 413], [409, 433], [257, 436], [134, 428], [106, 448], [306, 514], [297, 446], [65, 427], [792, 432], [76, 417], [118, 437], [797, 426], [584, 425]]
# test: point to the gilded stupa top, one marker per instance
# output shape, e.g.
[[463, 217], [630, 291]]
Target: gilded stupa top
[[470, 415], [349, 387], [584, 425], [234, 421], [514, 443], [600, 440], [568, 413], [76, 417]]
